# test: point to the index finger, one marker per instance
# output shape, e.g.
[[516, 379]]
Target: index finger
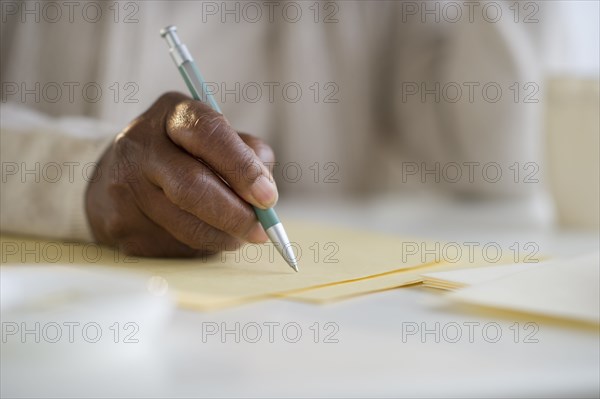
[[207, 135]]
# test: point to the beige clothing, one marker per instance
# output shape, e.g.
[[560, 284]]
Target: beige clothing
[[354, 122]]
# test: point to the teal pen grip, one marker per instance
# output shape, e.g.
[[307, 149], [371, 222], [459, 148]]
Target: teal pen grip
[[267, 217]]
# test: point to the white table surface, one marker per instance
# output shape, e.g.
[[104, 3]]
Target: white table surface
[[370, 358]]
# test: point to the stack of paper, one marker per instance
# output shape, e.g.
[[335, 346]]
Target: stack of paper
[[327, 256], [334, 263], [566, 289], [455, 279]]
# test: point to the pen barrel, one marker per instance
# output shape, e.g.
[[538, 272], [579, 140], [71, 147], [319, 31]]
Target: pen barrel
[[195, 82]]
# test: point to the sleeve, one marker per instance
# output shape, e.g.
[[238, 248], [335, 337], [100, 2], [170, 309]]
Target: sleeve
[[47, 164], [469, 101]]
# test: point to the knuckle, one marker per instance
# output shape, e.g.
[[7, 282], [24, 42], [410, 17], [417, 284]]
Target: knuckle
[[199, 233], [238, 225], [211, 125], [124, 172], [116, 227], [168, 108], [117, 192], [211, 238], [170, 98], [264, 151], [248, 165], [196, 117], [123, 145], [117, 222], [209, 241], [260, 147], [128, 147], [190, 189]]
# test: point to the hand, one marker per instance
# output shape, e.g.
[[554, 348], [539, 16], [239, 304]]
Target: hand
[[178, 182]]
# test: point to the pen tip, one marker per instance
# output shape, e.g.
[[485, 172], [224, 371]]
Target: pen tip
[[293, 264], [278, 237], [290, 257]]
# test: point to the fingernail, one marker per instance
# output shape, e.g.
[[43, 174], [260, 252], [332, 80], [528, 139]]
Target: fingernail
[[257, 235], [264, 192]]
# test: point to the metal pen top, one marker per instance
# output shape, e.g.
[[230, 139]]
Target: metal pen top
[[170, 33], [178, 50]]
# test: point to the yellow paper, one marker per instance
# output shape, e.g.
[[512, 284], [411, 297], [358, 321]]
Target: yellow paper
[[326, 256], [395, 279]]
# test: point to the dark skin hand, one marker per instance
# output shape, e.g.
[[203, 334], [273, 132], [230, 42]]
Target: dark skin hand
[[178, 181]]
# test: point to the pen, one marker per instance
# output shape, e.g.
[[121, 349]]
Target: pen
[[194, 81]]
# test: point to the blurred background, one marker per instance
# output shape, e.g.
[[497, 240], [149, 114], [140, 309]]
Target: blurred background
[[362, 101]]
